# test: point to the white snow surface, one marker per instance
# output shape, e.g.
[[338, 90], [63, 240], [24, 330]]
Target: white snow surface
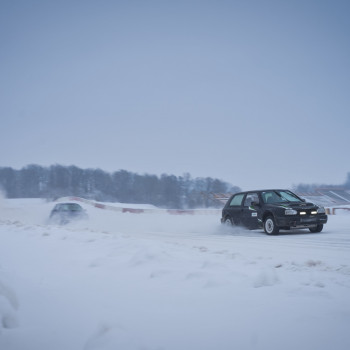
[[122, 281]]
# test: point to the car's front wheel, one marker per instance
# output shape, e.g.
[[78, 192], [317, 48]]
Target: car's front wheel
[[317, 228], [270, 226]]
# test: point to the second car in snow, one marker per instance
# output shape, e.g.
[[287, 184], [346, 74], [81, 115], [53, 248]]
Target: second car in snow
[[63, 213]]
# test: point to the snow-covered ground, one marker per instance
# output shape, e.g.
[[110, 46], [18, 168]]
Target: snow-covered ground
[[169, 282]]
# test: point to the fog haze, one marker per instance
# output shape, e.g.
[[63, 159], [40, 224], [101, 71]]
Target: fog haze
[[254, 93]]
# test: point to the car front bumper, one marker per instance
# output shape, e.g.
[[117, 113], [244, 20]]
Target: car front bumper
[[301, 221]]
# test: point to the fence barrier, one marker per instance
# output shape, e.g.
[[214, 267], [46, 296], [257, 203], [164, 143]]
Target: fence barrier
[[142, 210]]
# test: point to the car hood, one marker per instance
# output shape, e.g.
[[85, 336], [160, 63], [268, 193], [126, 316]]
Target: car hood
[[303, 205]]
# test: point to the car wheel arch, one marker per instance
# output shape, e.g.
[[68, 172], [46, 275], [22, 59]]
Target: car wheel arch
[[266, 214]]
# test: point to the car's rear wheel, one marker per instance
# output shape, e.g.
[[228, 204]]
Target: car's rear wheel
[[228, 221], [317, 228], [270, 226]]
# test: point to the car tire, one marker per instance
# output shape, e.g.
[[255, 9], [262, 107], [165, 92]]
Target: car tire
[[316, 229], [228, 222], [270, 226]]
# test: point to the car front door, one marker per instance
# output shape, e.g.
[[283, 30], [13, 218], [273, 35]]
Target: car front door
[[249, 212]]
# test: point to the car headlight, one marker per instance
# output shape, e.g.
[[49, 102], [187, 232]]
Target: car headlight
[[321, 210], [290, 212]]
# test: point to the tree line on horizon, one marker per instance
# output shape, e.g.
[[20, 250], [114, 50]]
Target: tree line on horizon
[[167, 191]]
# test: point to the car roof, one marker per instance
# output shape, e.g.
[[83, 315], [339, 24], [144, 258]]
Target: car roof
[[68, 203], [265, 190]]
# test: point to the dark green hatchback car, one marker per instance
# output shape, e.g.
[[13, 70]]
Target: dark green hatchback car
[[273, 210]]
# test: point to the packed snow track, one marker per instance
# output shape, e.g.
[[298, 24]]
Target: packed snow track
[[168, 282]]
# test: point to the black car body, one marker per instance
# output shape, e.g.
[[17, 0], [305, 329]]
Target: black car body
[[273, 210], [63, 213]]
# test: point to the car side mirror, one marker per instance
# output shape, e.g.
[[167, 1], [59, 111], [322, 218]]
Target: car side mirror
[[303, 199], [255, 204]]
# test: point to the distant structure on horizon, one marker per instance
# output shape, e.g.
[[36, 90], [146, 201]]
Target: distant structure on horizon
[[327, 197]]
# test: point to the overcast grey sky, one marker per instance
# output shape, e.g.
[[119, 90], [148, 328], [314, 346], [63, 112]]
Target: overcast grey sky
[[255, 93]]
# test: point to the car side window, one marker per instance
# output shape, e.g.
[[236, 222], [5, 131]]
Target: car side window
[[237, 200], [251, 197]]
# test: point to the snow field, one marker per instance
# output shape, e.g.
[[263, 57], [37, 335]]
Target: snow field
[[158, 281]]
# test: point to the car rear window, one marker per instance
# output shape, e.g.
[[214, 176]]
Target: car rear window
[[237, 200]]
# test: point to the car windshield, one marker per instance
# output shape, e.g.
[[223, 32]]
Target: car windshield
[[279, 197], [71, 207]]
